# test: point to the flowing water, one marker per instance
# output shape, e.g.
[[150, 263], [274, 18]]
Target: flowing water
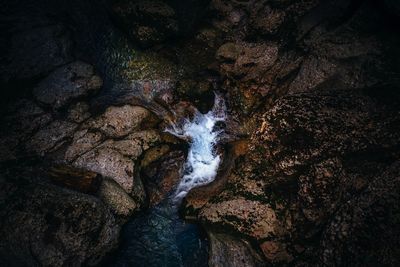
[[202, 161], [158, 236]]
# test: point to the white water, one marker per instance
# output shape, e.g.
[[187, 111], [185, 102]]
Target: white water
[[202, 162]]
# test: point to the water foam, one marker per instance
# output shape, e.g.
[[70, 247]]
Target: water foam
[[202, 162]]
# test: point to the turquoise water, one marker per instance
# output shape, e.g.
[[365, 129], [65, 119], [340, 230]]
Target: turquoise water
[[158, 237]]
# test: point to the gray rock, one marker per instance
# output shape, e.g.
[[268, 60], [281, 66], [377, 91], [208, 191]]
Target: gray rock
[[35, 52], [51, 137], [49, 226], [79, 112], [109, 163], [75, 80], [119, 121]]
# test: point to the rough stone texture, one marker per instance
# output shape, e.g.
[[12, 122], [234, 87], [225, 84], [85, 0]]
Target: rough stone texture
[[148, 22], [309, 161], [51, 226], [116, 198], [119, 121], [32, 53], [75, 80], [18, 124], [76, 179], [109, 163], [318, 184], [79, 112], [108, 144], [51, 136], [226, 251], [162, 174], [113, 159]]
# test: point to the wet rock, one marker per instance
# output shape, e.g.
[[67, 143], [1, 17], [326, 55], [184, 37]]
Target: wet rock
[[116, 198], [162, 175], [75, 80], [51, 226], [154, 154], [193, 88], [247, 57]]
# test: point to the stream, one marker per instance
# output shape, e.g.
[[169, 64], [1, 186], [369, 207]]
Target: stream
[[158, 236]]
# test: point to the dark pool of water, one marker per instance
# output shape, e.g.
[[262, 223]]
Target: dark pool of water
[[158, 237]]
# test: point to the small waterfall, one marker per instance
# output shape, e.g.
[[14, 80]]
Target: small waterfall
[[202, 162]]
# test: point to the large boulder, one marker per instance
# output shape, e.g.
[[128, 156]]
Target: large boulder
[[51, 226], [75, 80], [33, 53]]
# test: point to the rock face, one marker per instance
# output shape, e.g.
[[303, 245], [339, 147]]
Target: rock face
[[148, 22], [316, 93], [75, 80], [311, 86], [78, 225], [227, 251], [35, 51], [307, 162], [52, 226]]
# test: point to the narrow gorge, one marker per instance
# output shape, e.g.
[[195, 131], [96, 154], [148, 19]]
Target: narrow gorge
[[232, 133]]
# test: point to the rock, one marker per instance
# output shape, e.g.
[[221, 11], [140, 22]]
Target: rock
[[119, 121], [76, 179], [153, 154], [393, 7], [19, 122], [162, 175], [148, 22], [275, 252], [79, 112], [248, 217], [249, 70], [108, 163], [33, 53], [226, 251], [267, 21], [75, 80], [117, 198], [51, 226], [113, 159], [51, 137], [83, 141], [366, 226], [300, 172]]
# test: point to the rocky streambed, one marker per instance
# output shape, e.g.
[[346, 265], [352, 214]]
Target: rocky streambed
[[306, 170]]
